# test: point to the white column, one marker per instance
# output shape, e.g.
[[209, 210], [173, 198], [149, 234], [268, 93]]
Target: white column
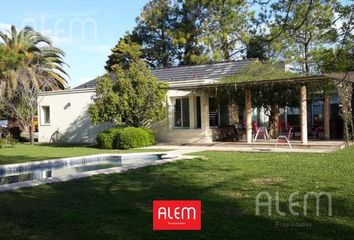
[[191, 111], [303, 114], [326, 109], [204, 102], [248, 109], [170, 112]]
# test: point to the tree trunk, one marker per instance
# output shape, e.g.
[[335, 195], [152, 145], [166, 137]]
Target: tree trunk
[[275, 120], [352, 128], [30, 129], [307, 67]]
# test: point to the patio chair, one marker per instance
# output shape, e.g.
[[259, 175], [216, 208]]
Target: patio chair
[[319, 132], [284, 137], [261, 132]]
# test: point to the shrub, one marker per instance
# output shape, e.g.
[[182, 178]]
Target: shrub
[[106, 139], [134, 137], [16, 134], [125, 138], [7, 141]]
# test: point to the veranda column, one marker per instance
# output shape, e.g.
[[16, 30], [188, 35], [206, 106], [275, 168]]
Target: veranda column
[[326, 109], [275, 111], [204, 102], [170, 110], [303, 114], [192, 111], [248, 116]]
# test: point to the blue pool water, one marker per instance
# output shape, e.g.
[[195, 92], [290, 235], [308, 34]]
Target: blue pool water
[[65, 168]]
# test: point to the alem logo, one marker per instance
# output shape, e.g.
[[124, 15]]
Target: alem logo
[[176, 214]]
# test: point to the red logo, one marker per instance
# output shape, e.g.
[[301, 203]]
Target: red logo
[[177, 215]]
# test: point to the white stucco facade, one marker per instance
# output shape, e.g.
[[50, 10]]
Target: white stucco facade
[[167, 132], [66, 112], [68, 115]]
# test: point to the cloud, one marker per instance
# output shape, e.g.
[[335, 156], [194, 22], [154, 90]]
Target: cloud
[[5, 27]]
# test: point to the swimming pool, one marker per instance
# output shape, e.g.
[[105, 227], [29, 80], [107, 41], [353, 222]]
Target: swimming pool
[[15, 176]]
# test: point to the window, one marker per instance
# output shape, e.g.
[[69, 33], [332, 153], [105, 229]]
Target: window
[[223, 112], [213, 112], [45, 115], [198, 123], [317, 114], [182, 113]]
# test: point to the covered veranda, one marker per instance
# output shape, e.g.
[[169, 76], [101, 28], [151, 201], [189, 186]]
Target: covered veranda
[[238, 101]]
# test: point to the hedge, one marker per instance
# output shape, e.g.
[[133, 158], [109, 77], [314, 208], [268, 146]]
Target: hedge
[[125, 138], [106, 139]]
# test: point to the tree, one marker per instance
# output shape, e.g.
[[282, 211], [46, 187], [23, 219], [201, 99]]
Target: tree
[[22, 103], [154, 31], [28, 64], [339, 62], [135, 97], [124, 53], [258, 47], [37, 50], [328, 60], [302, 27], [226, 28], [9, 61], [191, 18]]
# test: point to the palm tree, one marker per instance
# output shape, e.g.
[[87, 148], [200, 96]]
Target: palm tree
[[28, 64], [38, 52]]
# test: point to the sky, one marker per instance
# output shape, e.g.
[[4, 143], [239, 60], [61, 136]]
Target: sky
[[86, 30]]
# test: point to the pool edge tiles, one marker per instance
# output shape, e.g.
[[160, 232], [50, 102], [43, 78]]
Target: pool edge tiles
[[17, 167], [127, 158]]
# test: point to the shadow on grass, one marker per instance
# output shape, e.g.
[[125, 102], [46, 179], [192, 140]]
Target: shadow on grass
[[119, 206]]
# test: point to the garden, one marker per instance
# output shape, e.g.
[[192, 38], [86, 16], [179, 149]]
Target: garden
[[303, 195], [119, 206]]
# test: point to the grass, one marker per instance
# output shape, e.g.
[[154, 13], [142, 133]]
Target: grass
[[118, 206], [25, 152]]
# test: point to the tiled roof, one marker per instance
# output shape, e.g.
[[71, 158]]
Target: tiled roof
[[212, 71], [89, 84]]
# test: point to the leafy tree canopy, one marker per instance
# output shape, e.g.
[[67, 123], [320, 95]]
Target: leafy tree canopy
[[302, 29], [124, 53], [136, 97], [154, 31], [38, 52], [9, 60]]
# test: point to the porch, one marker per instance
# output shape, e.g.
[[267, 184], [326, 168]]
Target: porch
[[198, 113]]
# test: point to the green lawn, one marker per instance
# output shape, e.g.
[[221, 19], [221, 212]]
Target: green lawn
[[118, 206], [26, 152]]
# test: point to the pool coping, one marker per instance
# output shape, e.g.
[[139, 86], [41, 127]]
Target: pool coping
[[127, 166]]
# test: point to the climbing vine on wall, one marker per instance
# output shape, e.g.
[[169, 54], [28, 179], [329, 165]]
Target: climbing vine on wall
[[345, 93]]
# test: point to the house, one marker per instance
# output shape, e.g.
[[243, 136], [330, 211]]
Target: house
[[194, 110]]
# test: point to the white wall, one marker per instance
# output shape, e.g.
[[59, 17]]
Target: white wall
[[165, 130], [69, 115]]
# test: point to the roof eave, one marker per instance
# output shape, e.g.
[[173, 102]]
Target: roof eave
[[222, 84]]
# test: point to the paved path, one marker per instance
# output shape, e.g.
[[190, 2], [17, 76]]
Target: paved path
[[187, 149]]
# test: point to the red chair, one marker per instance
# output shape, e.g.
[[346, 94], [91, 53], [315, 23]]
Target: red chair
[[259, 132], [286, 138]]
